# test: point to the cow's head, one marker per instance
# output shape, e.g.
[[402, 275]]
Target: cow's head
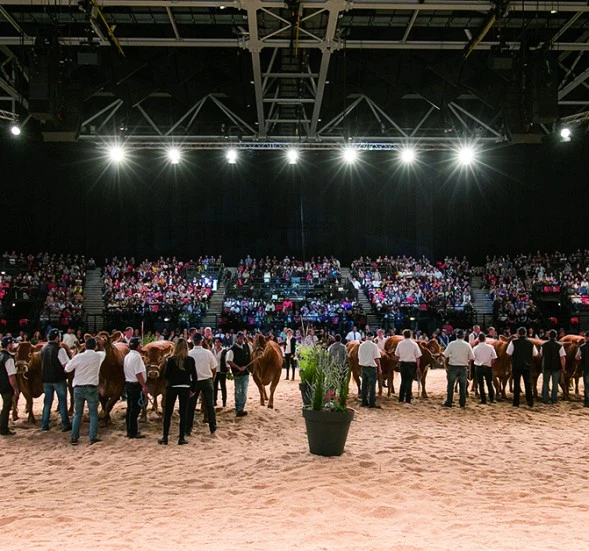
[[22, 357]]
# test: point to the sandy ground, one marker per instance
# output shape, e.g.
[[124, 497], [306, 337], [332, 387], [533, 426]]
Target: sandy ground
[[413, 476]]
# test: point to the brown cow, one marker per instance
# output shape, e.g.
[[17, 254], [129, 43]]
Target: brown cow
[[154, 356], [111, 382], [30, 380], [266, 367]]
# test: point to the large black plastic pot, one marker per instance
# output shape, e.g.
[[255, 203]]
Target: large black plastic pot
[[327, 431]]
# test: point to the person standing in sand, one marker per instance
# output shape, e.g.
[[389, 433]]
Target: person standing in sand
[[459, 354], [521, 351], [369, 360]]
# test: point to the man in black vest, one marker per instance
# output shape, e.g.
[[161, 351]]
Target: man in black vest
[[53, 361], [290, 348], [583, 356], [553, 363], [237, 358], [521, 351], [8, 387]]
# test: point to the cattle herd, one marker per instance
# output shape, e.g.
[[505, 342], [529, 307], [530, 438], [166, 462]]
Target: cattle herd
[[266, 368]]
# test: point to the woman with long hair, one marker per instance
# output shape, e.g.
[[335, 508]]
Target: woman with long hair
[[180, 375]]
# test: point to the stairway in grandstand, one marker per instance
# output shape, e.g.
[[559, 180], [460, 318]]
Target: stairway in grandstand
[[216, 305], [481, 302], [372, 319], [93, 302]]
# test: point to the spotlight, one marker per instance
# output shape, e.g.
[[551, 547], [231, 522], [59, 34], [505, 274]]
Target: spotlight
[[466, 156], [15, 130], [350, 155], [231, 156], [408, 155], [116, 154], [174, 156], [293, 156], [565, 133]]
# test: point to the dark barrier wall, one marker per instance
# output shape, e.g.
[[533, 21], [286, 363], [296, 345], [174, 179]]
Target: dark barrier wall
[[67, 198]]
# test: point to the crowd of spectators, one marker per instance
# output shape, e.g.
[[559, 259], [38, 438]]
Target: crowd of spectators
[[56, 280], [393, 284], [164, 286], [287, 270]]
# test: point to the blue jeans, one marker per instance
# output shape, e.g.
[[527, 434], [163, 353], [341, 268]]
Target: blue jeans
[[60, 389], [85, 394], [586, 385], [368, 386], [241, 383], [456, 372], [547, 376]]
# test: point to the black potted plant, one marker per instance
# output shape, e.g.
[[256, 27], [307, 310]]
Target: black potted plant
[[327, 418]]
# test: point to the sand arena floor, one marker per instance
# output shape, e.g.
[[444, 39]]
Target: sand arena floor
[[412, 477]]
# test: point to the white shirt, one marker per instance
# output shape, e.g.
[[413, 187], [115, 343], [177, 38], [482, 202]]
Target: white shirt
[[408, 351], [380, 342], [484, 354], [459, 353], [10, 367], [134, 365], [353, 336], [509, 350], [287, 349], [70, 339], [367, 353], [206, 363], [472, 337], [86, 366], [62, 356]]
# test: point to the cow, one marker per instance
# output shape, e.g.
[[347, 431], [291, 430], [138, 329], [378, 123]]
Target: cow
[[154, 356], [111, 383], [502, 367], [266, 367], [29, 376]]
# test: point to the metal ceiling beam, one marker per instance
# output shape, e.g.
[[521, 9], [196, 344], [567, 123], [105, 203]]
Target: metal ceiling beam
[[255, 47], [12, 21], [13, 93], [410, 26], [334, 7], [173, 23], [336, 45], [450, 5], [579, 79]]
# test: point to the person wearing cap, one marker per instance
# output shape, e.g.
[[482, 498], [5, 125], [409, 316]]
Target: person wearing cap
[[522, 351], [206, 367], [553, 364], [53, 361], [583, 358], [408, 354], [369, 361], [135, 378], [8, 386], [238, 358], [459, 354], [86, 368]]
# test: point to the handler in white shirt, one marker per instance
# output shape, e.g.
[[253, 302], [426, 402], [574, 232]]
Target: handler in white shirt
[[409, 354], [459, 354], [484, 360], [369, 360], [86, 368]]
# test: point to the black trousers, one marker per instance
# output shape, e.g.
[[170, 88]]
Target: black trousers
[[183, 395], [133, 391], [407, 370], [221, 382], [206, 387], [289, 361], [5, 413], [517, 374], [485, 373]]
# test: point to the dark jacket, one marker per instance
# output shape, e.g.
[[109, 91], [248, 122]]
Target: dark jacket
[[51, 366], [241, 357], [551, 355], [523, 352], [5, 386], [175, 376]]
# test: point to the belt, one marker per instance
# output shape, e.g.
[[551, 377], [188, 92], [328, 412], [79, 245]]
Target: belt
[[135, 383], [85, 386], [482, 365], [464, 366], [368, 366], [403, 362]]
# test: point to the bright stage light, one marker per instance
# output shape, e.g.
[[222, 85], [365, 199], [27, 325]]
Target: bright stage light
[[116, 154], [231, 156], [350, 155], [565, 133], [408, 155], [466, 156], [174, 156], [15, 130], [293, 156]]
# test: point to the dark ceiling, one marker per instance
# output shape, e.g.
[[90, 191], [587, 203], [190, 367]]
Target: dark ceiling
[[315, 73]]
